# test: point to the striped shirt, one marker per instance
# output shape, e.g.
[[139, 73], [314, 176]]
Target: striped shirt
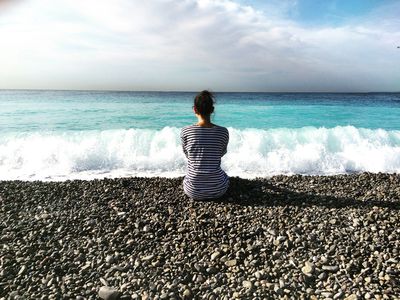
[[204, 148]]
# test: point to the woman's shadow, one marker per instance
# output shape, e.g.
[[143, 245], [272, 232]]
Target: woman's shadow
[[265, 193]]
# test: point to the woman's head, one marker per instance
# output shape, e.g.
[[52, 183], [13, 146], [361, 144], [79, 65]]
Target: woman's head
[[204, 103]]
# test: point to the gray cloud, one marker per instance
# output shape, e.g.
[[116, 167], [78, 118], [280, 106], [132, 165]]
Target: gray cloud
[[191, 45]]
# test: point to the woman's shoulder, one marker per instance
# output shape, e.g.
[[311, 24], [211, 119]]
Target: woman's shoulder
[[187, 129], [194, 127], [221, 128]]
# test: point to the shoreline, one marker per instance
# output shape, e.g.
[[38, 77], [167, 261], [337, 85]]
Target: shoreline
[[333, 236], [181, 176]]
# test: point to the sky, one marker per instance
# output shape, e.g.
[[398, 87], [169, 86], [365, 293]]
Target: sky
[[191, 45]]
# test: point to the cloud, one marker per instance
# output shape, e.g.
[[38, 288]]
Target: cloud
[[190, 45]]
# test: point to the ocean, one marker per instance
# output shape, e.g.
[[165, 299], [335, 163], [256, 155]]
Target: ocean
[[60, 135]]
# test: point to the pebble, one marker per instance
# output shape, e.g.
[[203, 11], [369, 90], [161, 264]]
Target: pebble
[[13, 295], [212, 270], [187, 294], [104, 282], [281, 238], [308, 268], [278, 237], [259, 275], [235, 295], [247, 284], [278, 290], [338, 295], [327, 294], [148, 257], [322, 276], [110, 259], [351, 297], [330, 268], [215, 255], [108, 293], [231, 263], [22, 270]]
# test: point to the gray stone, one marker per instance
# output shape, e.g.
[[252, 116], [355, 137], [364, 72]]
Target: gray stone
[[327, 294], [278, 290], [247, 284], [212, 270], [330, 268], [259, 274], [351, 297], [13, 295], [187, 294], [231, 263], [281, 238], [215, 255], [322, 276], [109, 259], [308, 268], [148, 257], [338, 295], [103, 281], [109, 293], [22, 270]]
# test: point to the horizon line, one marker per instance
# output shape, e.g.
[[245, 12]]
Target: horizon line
[[197, 91]]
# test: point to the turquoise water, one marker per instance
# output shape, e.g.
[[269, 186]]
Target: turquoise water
[[77, 134], [22, 111]]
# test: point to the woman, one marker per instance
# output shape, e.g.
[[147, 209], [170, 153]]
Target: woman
[[204, 144]]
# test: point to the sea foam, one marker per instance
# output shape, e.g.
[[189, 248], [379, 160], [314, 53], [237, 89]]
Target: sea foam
[[144, 152]]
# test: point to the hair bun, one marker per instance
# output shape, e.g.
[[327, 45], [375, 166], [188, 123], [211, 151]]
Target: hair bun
[[204, 103]]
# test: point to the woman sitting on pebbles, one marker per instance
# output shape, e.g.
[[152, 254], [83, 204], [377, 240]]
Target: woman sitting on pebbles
[[204, 144]]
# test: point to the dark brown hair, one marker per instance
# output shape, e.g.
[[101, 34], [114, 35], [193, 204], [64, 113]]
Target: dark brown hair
[[204, 103]]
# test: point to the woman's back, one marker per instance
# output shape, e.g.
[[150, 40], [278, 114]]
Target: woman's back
[[204, 144], [204, 147]]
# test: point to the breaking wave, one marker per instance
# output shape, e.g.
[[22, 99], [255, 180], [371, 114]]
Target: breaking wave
[[144, 152]]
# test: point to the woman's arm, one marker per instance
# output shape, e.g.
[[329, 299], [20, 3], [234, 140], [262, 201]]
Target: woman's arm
[[225, 148], [183, 141]]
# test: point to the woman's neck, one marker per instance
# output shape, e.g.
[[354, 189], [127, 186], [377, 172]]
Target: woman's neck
[[204, 121]]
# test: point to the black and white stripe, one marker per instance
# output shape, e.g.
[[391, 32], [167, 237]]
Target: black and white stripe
[[204, 148]]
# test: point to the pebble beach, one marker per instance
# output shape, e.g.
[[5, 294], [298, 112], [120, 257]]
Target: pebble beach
[[288, 237]]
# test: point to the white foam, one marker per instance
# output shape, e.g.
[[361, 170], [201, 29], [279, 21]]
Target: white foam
[[251, 153]]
